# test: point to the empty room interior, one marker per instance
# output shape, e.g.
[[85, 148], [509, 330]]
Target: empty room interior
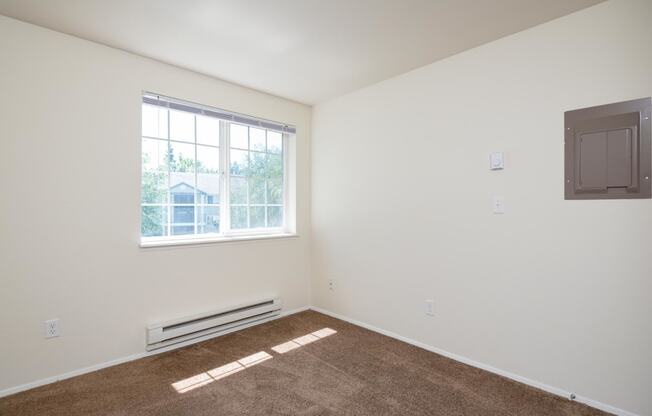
[[336, 207]]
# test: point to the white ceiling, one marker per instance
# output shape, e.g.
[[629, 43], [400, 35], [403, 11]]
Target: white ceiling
[[305, 50]]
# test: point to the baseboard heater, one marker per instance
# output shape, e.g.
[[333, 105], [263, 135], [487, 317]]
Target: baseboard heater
[[217, 321]]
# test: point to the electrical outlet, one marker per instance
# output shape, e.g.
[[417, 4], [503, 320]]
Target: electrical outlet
[[430, 307], [52, 328], [331, 284]]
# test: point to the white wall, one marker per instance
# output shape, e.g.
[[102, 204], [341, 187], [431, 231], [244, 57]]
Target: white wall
[[69, 212], [556, 291]]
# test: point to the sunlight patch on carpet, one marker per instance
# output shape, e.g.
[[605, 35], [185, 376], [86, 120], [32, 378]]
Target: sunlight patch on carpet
[[303, 340], [218, 373]]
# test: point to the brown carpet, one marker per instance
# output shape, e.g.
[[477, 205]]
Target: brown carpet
[[292, 366]]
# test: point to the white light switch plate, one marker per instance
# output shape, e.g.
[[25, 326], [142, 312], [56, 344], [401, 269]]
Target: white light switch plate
[[497, 161], [499, 205]]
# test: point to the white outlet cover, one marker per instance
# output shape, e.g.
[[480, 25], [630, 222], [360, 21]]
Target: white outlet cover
[[52, 328]]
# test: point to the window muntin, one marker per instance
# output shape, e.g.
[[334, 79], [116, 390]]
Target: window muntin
[[186, 189]]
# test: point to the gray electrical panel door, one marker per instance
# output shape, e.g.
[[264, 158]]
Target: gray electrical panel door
[[608, 151]]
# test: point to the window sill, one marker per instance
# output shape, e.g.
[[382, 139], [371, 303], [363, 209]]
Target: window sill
[[215, 240]]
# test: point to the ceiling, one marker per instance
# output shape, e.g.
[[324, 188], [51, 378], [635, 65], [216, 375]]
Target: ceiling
[[305, 50]]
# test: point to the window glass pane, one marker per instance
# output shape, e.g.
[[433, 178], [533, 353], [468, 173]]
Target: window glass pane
[[257, 190], [274, 142], [239, 162], [238, 217], [183, 215], [154, 176], [181, 157], [183, 198], [274, 166], [274, 216], [275, 191], [154, 153], [257, 164], [153, 189], [183, 219], [182, 229], [256, 139], [182, 126], [208, 188], [208, 219], [182, 192], [208, 159], [208, 130], [182, 173], [153, 220], [155, 121], [239, 136], [208, 178], [256, 217], [238, 190]]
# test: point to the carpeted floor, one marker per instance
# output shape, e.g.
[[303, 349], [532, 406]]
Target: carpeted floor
[[304, 364]]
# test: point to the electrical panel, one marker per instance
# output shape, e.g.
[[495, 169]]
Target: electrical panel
[[608, 151]]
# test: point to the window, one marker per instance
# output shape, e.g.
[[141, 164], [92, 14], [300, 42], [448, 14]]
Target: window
[[211, 174]]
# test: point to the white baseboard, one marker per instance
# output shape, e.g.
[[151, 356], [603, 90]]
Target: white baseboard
[[542, 386], [80, 371]]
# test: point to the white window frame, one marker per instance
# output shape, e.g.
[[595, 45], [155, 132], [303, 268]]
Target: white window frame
[[288, 229]]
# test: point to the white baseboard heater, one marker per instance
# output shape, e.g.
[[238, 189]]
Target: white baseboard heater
[[221, 320]]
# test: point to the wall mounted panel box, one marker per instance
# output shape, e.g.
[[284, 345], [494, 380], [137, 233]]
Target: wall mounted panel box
[[608, 151]]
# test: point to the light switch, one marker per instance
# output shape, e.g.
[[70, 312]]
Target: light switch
[[499, 205], [497, 161]]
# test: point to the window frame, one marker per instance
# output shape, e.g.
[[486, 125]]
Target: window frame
[[226, 233]]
